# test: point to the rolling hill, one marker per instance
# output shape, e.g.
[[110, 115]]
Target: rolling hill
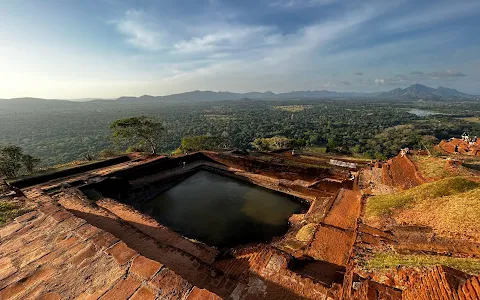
[[416, 91]]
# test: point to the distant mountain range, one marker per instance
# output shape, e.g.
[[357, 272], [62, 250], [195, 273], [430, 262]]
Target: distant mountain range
[[416, 91], [201, 96]]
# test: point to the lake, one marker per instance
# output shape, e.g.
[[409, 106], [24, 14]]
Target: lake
[[422, 113]]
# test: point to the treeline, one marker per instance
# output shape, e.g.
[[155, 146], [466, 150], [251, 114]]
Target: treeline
[[369, 128]]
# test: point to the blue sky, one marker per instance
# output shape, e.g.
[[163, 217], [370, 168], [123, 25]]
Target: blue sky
[[69, 49]]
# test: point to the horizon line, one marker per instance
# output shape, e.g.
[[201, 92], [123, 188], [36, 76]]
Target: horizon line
[[89, 99]]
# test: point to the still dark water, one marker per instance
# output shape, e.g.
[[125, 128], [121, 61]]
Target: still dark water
[[223, 212]]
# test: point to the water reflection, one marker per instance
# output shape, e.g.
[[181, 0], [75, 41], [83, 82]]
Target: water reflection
[[421, 112], [223, 212]]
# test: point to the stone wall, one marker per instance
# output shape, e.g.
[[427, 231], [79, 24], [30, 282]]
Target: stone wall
[[42, 178], [274, 167]]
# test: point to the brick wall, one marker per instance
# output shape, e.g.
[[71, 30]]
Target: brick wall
[[443, 283], [371, 290]]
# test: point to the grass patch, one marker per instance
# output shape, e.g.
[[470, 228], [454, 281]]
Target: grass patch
[[389, 260], [459, 213], [385, 204], [10, 210], [435, 167], [471, 119], [305, 234]]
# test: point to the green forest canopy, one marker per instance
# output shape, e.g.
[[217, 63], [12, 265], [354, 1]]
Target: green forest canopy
[[352, 126]]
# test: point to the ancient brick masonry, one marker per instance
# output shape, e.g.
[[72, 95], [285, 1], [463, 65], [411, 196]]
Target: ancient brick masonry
[[111, 251], [444, 283], [371, 290], [440, 283], [52, 254]]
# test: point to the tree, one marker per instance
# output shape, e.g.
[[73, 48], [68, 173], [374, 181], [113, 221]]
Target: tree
[[30, 162], [331, 145], [274, 143], [12, 160], [428, 141], [202, 142], [389, 142], [138, 132]]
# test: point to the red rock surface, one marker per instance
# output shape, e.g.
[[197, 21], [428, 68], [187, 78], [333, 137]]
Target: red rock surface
[[400, 172], [463, 147], [77, 250]]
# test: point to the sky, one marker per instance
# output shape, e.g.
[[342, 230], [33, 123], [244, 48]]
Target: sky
[[70, 49]]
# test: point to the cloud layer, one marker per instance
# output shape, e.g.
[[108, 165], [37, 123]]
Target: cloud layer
[[278, 45], [417, 76], [138, 31]]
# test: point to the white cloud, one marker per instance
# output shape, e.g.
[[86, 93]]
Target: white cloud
[[268, 57], [139, 31], [341, 83], [228, 53], [446, 74], [231, 38], [329, 84]]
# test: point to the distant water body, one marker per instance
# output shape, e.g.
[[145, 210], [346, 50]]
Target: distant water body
[[422, 113]]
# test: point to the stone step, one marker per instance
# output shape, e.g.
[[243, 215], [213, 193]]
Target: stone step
[[182, 263], [159, 232]]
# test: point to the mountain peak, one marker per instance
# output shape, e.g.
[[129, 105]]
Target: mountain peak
[[421, 91], [420, 87]]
